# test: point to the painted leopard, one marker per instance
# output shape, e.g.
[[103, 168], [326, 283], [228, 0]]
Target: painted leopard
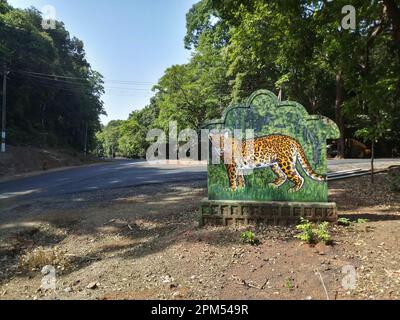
[[279, 152]]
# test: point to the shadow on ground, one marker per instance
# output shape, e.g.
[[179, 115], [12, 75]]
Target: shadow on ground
[[126, 225]]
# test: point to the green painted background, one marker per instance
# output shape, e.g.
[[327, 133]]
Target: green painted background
[[264, 113]]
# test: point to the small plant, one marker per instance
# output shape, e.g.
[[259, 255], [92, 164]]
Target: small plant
[[248, 237], [312, 233], [40, 257], [307, 234], [322, 232], [289, 283], [344, 222], [347, 222]]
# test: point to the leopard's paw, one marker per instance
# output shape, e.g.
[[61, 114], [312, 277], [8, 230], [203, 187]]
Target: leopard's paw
[[294, 189]]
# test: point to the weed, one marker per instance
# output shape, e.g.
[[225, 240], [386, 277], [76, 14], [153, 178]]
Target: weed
[[307, 234], [312, 233], [40, 257], [289, 283], [344, 222], [322, 232], [248, 237], [347, 222]]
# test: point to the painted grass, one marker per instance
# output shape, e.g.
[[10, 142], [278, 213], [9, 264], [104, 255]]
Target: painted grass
[[258, 189]]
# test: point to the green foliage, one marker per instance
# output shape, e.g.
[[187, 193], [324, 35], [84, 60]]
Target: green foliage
[[127, 138], [347, 222], [307, 231], [42, 111], [289, 284], [312, 233], [258, 187], [194, 92], [238, 46], [299, 47], [248, 237], [344, 222], [322, 232], [269, 116]]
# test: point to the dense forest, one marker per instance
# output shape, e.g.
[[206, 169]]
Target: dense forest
[[298, 48], [44, 110]]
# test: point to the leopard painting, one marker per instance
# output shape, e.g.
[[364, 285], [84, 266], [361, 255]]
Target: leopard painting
[[278, 152]]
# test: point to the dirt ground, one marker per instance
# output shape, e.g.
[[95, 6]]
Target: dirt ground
[[145, 243], [23, 161]]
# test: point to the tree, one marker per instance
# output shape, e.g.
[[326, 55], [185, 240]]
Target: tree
[[194, 92], [298, 48], [53, 93], [127, 138]]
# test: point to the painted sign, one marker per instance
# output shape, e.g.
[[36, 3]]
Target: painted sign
[[281, 158]]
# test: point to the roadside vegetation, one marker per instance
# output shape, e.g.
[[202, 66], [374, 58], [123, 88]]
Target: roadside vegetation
[[312, 233], [296, 48], [45, 110], [249, 237]]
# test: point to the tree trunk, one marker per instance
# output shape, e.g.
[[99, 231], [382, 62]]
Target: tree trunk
[[372, 161], [392, 11], [339, 115]]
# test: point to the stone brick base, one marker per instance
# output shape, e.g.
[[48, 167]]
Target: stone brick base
[[230, 212]]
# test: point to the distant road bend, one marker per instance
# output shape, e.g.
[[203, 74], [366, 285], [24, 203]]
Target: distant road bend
[[128, 173]]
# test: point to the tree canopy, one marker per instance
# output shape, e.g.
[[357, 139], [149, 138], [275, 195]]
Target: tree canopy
[[298, 48], [53, 94]]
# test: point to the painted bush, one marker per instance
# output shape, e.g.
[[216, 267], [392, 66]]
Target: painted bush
[[268, 116]]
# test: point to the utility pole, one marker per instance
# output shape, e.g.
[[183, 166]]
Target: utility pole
[[3, 110], [86, 138]]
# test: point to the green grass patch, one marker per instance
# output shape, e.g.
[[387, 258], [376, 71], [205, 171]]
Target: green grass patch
[[248, 237], [313, 233]]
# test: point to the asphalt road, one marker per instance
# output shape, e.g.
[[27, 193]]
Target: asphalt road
[[126, 173]]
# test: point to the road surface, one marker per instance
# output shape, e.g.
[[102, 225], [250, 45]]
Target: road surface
[[127, 173]]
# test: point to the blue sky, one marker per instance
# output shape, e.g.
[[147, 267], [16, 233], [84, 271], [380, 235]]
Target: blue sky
[[129, 40]]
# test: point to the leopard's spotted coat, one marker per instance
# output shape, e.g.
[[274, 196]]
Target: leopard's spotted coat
[[279, 152]]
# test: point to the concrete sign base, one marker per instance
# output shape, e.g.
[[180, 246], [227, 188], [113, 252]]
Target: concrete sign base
[[231, 213]]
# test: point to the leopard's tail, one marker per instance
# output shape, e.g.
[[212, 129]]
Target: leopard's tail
[[301, 156]]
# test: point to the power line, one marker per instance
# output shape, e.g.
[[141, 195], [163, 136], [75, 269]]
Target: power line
[[60, 83], [80, 90], [71, 84], [78, 84], [84, 79], [57, 80], [49, 75], [75, 85]]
